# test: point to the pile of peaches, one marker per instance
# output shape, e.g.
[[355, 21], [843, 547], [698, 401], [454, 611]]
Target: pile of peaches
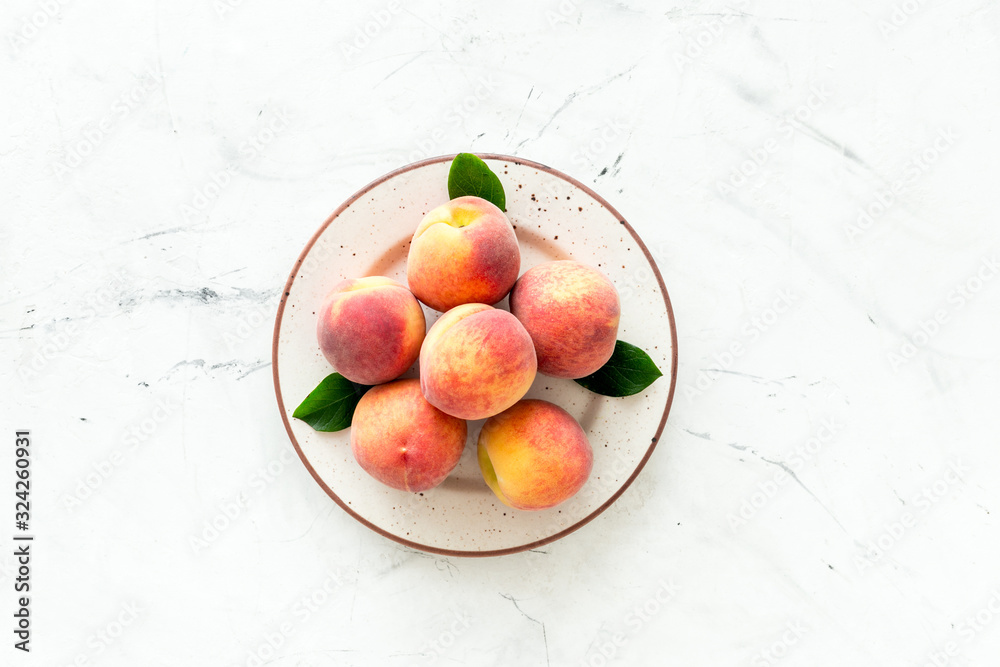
[[476, 361]]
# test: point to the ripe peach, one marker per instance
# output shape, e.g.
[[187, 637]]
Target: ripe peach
[[476, 361], [402, 440], [534, 455], [571, 311], [464, 251], [370, 329]]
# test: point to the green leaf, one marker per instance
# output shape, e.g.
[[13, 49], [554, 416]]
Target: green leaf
[[330, 406], [470, 176], [628, 371]]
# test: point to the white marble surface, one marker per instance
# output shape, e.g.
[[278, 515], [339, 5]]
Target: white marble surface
[[163, 163]]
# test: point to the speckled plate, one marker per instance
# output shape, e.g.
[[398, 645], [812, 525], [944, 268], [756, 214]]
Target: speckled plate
[[555, 217]]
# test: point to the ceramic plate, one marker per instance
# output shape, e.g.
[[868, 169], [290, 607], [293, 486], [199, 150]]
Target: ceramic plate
[[555, 217]]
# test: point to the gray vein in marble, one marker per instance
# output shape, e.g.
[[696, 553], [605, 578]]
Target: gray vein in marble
[[523, 107], [203, 295], [390, 74], [562, 107], [37, 291], [316, 518], [241, 366], [446, 565], [164, 87], [748, 375], [227, 273], [445, 36], [572, 97], [840, 147], [791, 473], [30, 326], [679, 13], [171, 230], [788, 471], [615, 168], [254, 370], [545, 637], [818, 262], [747, 95]]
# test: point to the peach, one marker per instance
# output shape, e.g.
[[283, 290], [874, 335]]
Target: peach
[[464, 251], [402, 440], [476, 361], [571, 312], [370, 329], [534, 455]]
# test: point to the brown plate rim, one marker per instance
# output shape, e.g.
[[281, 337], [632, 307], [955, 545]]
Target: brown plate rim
[[455, 552]]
